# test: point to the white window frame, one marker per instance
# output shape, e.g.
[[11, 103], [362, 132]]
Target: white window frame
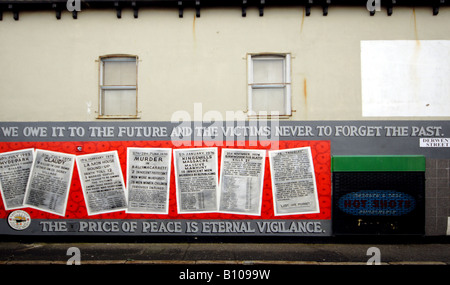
[[254, 85], [102, 87]]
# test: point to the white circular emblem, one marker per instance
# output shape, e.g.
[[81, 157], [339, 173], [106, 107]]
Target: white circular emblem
[[19, 220]]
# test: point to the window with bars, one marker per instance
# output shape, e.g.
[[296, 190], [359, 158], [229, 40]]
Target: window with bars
[[269, 84], [118, 86]]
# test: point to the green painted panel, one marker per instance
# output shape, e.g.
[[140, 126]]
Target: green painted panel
[[377, 163]]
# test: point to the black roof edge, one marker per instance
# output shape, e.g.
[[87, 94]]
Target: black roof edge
[[79, 5], [235, 3]]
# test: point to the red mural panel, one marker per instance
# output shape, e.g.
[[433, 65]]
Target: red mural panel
[[76, 207]]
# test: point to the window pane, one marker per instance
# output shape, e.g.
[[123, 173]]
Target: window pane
[[270, 70], [269, 99], [119, 73], [119, 102]]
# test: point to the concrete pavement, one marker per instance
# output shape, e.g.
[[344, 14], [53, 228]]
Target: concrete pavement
[[42, 252], [214, 262]]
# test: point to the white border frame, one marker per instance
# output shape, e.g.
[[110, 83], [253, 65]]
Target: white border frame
[[261, 186], [101, 87], [83, 186], [69, 184], [316, 196], [169, 166], [175, 151], [26, 185], [287, 84]]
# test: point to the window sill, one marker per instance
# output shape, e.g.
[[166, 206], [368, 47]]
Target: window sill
[[109, 117], [256, 116]]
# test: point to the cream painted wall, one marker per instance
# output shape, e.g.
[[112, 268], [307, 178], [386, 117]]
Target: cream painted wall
[[49, 68]]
